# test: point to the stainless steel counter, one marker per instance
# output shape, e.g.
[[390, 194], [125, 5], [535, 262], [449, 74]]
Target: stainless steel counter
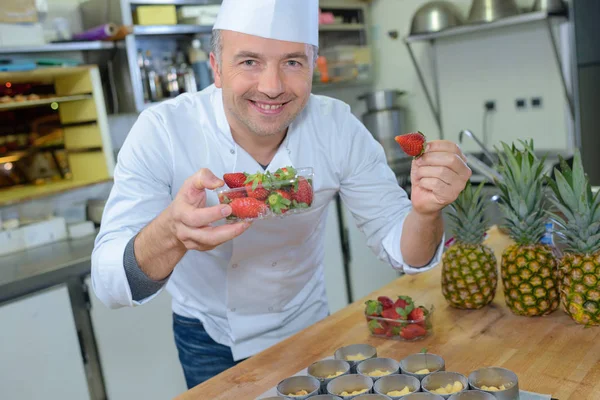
[[39, 268], [61, 263]]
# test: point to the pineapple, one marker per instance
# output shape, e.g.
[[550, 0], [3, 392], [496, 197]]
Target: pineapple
[[528, 268], [469, 269], [577, 218]]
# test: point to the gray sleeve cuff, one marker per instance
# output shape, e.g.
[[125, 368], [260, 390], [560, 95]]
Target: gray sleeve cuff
[[140, 285]]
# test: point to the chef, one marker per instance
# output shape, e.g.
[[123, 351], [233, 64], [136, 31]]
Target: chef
[[240, 288]]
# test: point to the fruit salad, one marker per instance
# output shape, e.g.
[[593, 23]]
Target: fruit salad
[[399, 319], [267, 194]]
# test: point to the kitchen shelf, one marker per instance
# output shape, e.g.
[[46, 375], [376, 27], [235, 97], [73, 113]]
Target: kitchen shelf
[[354, 83], [521, 19], [341, 27], [19, 194], [34, 103], [60, 47], [464, 30], [173, 2], [170, 29]]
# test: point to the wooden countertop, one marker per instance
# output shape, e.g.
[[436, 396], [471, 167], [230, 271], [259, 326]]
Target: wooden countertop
[[550, 355]]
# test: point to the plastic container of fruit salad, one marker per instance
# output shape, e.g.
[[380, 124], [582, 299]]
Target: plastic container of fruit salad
[[266, 195]]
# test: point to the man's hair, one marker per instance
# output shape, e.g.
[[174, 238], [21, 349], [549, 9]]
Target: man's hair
[[216, 44]]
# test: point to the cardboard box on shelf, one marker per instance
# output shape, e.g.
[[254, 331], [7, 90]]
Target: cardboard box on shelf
[[14, 11], [155, 15], [13, 35]]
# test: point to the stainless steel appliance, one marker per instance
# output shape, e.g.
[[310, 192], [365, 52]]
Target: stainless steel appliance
[[435, 16], [386, 119], [548, 6], [492, 10]]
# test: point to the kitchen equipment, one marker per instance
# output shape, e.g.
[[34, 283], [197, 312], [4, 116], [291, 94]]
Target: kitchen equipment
[[549, 6], [386, 120], [381, 99], [496, 376], [200, 65], [491, 10], [435, 16], [95, 209]]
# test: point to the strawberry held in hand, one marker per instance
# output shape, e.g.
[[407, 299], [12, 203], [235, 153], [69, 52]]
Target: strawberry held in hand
[[412, 144], [248, 207], [257, 186], [235, 179]]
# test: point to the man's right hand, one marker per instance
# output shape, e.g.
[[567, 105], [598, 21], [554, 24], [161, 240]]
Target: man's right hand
[[190, 220], [186, 224]]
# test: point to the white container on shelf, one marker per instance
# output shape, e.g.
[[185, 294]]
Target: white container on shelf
[[45, 232], [12, 241]]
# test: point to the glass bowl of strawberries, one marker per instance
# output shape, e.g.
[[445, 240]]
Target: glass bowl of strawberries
[[265, 195], [400, 319]]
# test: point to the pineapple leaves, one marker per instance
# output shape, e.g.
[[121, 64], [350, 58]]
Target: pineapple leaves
[[522, 192], [468, 215]]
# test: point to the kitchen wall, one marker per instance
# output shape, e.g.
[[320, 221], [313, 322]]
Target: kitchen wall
[[500, 65]]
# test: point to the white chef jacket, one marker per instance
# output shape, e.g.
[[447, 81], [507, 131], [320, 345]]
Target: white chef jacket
[[268, 283]]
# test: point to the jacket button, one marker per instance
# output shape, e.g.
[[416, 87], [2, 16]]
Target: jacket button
[[274, 264], [232, 151]]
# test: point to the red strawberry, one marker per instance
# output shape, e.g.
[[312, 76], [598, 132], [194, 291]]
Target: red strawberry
[[412, 144], [302, 193], [417, 315], [235, 179], [373, 308], [248, 207], [377, 327], [386, 302], [402, 302], [279, 201], [285, 173], [226, 197], [391, 313], [257, 186], [412, 331]]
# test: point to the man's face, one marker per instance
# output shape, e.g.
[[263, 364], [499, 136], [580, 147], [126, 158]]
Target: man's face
[[266, 83]]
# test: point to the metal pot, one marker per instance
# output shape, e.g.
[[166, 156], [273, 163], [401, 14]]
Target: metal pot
[[435, 16], [548, 6], [381, 100], [492, 10]]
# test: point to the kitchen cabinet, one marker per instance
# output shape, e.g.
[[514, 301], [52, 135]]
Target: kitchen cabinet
[[59, 116], [137, 350], [40, 356]]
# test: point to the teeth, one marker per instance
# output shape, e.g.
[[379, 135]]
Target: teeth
[[269, 106]]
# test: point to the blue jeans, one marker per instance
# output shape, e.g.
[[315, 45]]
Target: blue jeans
[[200, 356]]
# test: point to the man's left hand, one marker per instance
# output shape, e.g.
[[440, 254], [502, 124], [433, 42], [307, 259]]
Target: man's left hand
[[438, 176]]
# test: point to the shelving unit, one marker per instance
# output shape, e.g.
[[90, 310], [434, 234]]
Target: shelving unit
[[171, 29], [351, 29], [79, 103], [49, 100], [60, 47], [341, 27], [469, 29]]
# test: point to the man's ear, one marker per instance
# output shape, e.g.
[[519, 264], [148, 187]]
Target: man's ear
[[215, 67]]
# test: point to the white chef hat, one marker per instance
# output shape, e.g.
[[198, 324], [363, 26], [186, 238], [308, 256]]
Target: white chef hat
[[288, 20]]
